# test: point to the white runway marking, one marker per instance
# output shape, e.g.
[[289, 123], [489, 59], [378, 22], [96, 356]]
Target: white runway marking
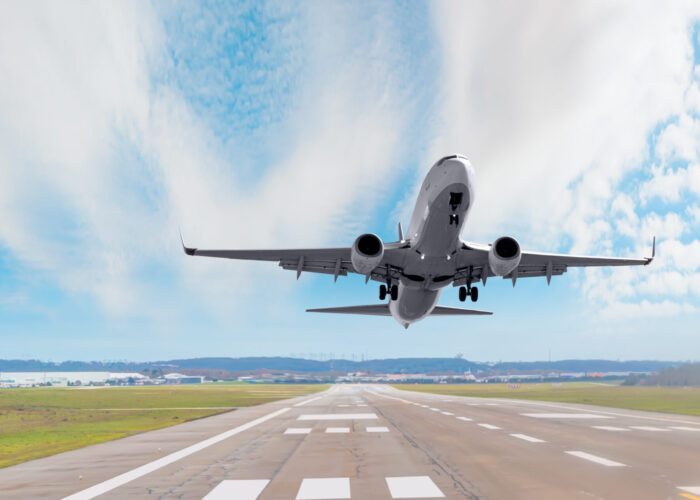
[[424, 406], [681, 428], [308, 401], [649, 428], [435, 409], [464, 419], [377, 429], [324, 488], [447, 413], [489, 426], [337, 430], [413, 487], [338, 416], [528, 438], [695, 490], [238, 489], [563, 415], [361, 404], [298, 430], [593, 458], [136, 473], [610, 428], [344, 406]]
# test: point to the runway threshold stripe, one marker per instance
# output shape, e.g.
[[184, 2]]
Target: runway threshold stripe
[[525, 437], [308, 401], [377, 429], [136, 473], [593, 458], [337, 430], [324, 488], [240, 489], [298, 430], [413, 487]]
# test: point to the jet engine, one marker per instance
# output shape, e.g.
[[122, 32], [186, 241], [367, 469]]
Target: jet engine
[[504, 255], [366, 253]]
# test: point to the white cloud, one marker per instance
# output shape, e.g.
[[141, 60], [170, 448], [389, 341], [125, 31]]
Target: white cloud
[[645, 309]]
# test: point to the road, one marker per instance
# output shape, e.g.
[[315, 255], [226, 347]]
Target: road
[[367, 442]]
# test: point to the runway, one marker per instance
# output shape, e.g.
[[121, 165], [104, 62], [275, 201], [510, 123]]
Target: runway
[[367, 442]]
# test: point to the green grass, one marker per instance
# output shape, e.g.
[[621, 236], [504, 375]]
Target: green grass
[[682, 400], [42, 421]]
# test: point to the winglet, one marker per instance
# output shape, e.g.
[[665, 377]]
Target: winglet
[[401, 238], [653, 252], [188, 251]]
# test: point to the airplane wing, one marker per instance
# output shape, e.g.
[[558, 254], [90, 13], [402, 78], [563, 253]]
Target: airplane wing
[[474, 264], [333, 261], [383, 310]]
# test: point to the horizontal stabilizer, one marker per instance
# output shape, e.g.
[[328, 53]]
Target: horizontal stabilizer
[[383, 310]]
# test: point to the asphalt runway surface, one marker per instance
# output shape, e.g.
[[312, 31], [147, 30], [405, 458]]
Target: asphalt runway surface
[[367, 442]]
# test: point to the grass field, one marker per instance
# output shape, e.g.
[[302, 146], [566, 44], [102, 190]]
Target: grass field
[[42, 421], [683, 400]]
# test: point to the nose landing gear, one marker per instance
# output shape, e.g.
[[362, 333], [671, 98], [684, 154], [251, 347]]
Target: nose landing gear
[[465, 292]]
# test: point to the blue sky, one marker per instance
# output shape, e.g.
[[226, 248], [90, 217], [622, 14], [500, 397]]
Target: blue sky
[[282, 124]]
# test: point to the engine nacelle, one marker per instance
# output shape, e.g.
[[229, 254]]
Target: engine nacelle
[[366, 253], [504, 255]]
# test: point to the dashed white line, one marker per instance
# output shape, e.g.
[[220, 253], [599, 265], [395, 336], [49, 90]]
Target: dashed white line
[[489, 426], [337, 430], [240, 489], [324, 488], [610, 428], [593, 458], [449, 414], [377, 429], [649, 428], [338, 416], [413, 487], [531, 439], [435, 409], [681, 428], [564, 415], [136, 473], [308, 401], [464, 419], [298, 430]]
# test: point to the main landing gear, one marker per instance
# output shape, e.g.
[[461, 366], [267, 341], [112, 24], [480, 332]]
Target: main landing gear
[[472, 292], [393, 292]]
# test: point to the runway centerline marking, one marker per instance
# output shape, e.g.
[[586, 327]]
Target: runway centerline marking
[[449, 414], [298, 430], [307, 401], [337, 430], [595, 459], [413, 487], [136, 473], [464, 419], [564, 415], [377, 429], [649, 428], [338, 416], [435, 409], [489, 426], [610, 428], [531, 439], [240, 489], [681, 428], [324, 488]]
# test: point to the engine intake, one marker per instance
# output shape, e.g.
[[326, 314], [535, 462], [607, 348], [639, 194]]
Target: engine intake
[[504, 255], [366, 253]]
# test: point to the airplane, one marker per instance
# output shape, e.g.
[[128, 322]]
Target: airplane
[[430, 256]]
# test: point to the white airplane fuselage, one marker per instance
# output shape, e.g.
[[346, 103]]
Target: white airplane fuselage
[[444, 201]]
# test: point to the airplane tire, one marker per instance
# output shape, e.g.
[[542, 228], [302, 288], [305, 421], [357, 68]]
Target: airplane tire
[[475, 294], [382, 292], [462, 293], [394, 292]]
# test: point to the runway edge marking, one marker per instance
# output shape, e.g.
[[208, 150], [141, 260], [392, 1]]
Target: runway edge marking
[[122, 479]]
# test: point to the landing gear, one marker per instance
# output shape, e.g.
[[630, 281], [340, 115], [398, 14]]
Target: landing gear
[[392, 291], [454, 219], [472, 292]]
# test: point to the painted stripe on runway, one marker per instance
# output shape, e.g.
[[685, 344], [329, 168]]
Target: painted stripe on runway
[[531, 439], [361, 404], [413, 487], [338, 416], [136, 473], [344, 406], [449, 414], [308, 401], [377, 429], [298, 430], [464, 419], [337, 430], [564, 415], [489, 426], [324, 488], [695, 490], [681, 428], [593, 458], [435, 409], [649, 428], [610, 428], [240, 489]]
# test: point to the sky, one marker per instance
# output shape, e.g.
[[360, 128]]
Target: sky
[[299, 124]]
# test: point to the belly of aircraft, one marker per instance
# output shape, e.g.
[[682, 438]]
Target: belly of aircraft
[[413, 304]]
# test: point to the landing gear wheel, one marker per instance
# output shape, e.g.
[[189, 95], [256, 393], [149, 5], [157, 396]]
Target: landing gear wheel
[[474, 294], [382, 292], [462, 293], [394, 292]]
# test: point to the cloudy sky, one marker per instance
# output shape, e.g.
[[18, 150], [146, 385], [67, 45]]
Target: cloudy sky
[[286, 124]]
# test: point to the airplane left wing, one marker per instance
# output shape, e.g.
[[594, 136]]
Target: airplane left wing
[[333, 261]]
